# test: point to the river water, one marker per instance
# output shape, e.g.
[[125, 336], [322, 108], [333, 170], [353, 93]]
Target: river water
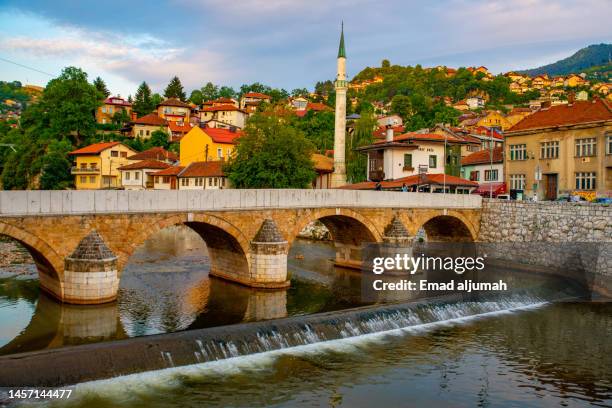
[[538, 353]]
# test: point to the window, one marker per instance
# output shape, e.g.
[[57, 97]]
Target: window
[[408, 160], [141, 132], [491, 175], [517, 181], [549, 150], [220, 153], [114, 153], [433, 161], [83, 179], [156, 180], [518, 152], [127, 175], [92, 165], [199, 182], [585, 181], [223, 181], [124, 154], [474, 175], [148, 131], [184, 182], [586, 147], [92, 179], [166, 180], [136, 175], [84, 165], [209, 182], [103, 109], [110, 110], [609, 144]]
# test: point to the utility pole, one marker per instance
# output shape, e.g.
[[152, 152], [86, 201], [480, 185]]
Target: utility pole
[[11, 146]]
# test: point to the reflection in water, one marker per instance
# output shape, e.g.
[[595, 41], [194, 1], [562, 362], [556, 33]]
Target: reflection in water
[[165, 287]]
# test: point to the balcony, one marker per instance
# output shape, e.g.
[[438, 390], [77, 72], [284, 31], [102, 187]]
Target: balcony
[[85, 170]]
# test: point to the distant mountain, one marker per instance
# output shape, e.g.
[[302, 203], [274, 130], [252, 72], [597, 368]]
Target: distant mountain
[[591, 56]]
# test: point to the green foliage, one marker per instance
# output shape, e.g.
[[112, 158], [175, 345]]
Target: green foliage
[[143, 102], [385, 63], [196, 97], [227, 92], [101, 87], [324, 88], [591, 56], [209, 92], [14, 91], [121, 117], [275, 94], [175, 89], [356, 163], [271, 154], [156, 99], [56, 166], [318, 127], [299, 92], [158, 138]]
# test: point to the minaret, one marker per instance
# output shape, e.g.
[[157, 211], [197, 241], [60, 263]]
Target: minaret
[[339, 174]]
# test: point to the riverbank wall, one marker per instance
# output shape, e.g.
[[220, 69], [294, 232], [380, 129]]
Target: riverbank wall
[[572, 238]]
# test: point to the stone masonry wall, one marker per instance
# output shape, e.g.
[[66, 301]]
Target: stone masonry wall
[[573, 238]]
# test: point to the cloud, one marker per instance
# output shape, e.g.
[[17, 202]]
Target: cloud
[[137, 58]]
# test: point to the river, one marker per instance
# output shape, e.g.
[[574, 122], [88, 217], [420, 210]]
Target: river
[[532, 353]]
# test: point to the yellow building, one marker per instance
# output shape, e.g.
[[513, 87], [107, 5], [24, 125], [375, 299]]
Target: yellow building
[[174, 110], [560, 150], [111, 106], [574, 80], [95, 166], [518, 114], [207, 144], [144, 127], [494, 118]]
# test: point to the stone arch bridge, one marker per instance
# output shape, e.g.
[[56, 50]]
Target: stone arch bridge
[[80, 240]]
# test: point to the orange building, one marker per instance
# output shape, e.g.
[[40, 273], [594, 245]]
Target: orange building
[[112, 106]]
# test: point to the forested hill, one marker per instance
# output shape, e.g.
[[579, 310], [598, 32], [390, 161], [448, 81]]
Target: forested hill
[[591, 56]]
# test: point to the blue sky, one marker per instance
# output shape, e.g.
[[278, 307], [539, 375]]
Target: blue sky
[[285, 43]]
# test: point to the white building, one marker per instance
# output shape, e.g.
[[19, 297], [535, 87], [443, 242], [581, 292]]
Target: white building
[[475, 102], [391, 120], [226, 114], [138, 176], [486, 167], [203, 175]]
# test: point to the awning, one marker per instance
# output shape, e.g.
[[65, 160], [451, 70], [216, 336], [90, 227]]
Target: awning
[[484, 189]]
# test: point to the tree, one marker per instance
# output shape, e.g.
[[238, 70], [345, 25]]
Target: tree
[[299, 92], [385, 63], [68, 104], [175, 89], [401, 105], [356, 162], [121, 117], [56, 166], [226, 92], [101, 87], [209, 92], [271, 154], [156, 99], [143, 104], [159, 138], [196, 97]]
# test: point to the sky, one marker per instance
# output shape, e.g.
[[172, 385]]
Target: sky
[[284, 43]]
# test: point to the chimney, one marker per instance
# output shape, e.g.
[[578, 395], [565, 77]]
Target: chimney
[[389, 135], [545, 105]]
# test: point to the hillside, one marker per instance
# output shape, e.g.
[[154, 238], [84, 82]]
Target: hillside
[[591, 56]]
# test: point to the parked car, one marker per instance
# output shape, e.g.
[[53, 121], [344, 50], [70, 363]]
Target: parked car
[[503, 197], [603, 200], [571, 198]]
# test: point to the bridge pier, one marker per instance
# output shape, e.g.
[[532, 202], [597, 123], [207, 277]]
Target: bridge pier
[[90, 273], [396, 241], [269, 257]]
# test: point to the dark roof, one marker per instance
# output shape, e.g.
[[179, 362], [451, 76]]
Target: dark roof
[[170, 171], [145, 164], [483, 157], [175, 102], [92, 247], [559, 115], [203, 169], [437, 179], [155, 153]]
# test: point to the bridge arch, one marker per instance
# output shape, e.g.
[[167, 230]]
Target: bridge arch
[[227, 246], [448, 227], [49, 263]]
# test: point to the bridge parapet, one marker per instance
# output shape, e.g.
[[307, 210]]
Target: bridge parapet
[[70, 202]]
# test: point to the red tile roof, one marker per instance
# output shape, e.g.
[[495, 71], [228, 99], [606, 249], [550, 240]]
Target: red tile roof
[[317, 106], [426, 137], [381, 132], [174, 102], [437, 179], [578, 112], [483, 130], [170, 171], [222, 135], [145, 164], [226, 107], [175, 127], [203, 169], [483, 157], [154, 153], [115, 100], [95, 148], [256, 95], [151, 119], [323, 164]]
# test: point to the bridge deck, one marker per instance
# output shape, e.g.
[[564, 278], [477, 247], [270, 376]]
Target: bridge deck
[[41, 202]]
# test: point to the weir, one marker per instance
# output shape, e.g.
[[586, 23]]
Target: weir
[[71, 365]]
